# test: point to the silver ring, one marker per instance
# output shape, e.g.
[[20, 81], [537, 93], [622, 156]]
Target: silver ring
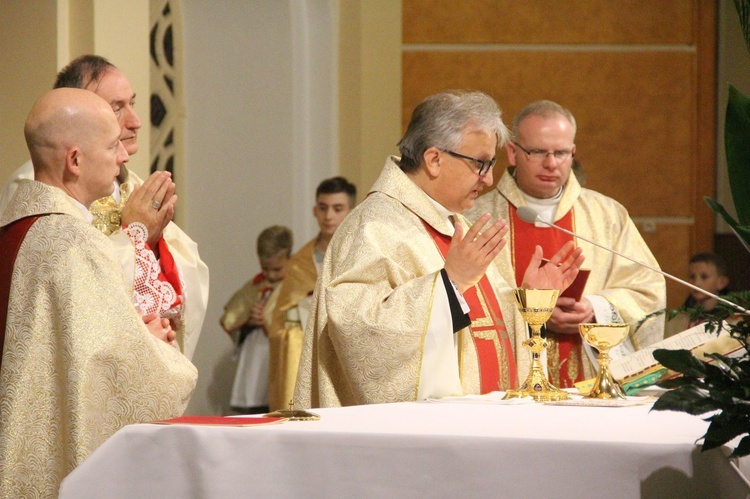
[[155, 204]]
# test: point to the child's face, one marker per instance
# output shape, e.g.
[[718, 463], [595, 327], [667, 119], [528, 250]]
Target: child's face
[[274, 268], [330, 210], [704, 275]]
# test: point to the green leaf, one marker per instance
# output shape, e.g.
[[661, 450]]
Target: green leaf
[[742, 232], [743, 448], [679, 382], [681, 361], [686, 399], [722, 429], [743, 10], [736, 134]]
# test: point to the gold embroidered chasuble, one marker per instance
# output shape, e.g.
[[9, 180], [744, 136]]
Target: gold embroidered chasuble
[[193, 272], [365, 338], [286, 336], [238, 309], [250, 386], [630, 289], [78, 362]]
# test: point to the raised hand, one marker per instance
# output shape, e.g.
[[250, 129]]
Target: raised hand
[[152, 204], [560, 271], [469, 256]]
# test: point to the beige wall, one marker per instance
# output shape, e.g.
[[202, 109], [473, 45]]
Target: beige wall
[[28, 63], [39, 37], [369, 87]]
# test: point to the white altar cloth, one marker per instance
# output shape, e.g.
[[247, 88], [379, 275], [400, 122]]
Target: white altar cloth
[[419, 449]]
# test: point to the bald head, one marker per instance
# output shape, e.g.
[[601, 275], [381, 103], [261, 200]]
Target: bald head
[[73, 139]]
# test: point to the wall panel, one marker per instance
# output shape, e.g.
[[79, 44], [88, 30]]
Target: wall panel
[[625, 97], [549, 21], [638, 75]]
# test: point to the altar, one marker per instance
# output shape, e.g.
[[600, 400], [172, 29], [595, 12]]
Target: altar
[[468, 447]]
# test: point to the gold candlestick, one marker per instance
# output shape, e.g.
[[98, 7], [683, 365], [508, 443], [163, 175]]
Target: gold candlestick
[[536, 306], [604, 337]]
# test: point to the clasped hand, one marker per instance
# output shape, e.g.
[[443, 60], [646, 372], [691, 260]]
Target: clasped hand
[[568, 314], [160, 328], [152, 204]]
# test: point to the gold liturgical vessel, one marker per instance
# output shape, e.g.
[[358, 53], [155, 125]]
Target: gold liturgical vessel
[[536, 306], [604, 337], [293, 414]]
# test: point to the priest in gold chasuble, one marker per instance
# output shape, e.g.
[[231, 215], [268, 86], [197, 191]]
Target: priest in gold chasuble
[[617, 290], [78, 362], [408, 305]]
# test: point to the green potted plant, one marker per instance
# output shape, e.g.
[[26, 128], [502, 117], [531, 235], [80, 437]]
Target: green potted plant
[[720, 386]]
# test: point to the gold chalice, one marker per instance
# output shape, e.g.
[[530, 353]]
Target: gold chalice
[[603, 337], [536, 306]]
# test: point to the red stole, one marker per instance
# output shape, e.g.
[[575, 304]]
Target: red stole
[[564, 354], [11, 237], [169, 271], [497, 366]]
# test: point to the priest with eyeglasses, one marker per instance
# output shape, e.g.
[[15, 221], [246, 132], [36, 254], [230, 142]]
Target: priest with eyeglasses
[[541, 155], [408, 305]]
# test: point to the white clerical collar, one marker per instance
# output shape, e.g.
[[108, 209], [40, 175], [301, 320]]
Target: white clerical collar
[[444, 212], [83, 209], [545, 208], [116, 192]]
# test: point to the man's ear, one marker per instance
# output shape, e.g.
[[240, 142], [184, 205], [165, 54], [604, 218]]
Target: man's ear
[[723, 282], [432, 159], [72, 161], [510, 150]]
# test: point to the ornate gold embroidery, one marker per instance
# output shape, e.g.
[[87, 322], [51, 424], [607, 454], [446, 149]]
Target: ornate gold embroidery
[[553, 359], [107, 211], [486, 319]]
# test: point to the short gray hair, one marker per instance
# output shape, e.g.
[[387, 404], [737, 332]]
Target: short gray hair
[[443, 119], [542, 109]]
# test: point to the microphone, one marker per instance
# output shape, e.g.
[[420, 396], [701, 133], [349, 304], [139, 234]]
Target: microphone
[[528, 214]]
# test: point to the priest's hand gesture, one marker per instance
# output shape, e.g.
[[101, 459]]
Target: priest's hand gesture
[[152, 204], [469, 256], [558, 273], [568, 314]]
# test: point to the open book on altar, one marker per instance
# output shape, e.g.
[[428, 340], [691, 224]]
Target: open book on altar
[[639, 369]]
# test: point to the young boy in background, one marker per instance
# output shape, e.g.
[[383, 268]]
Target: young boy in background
[[247, 317], [707, 271]]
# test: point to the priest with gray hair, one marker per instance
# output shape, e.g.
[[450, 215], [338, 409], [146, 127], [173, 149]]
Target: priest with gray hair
[[408, 305]]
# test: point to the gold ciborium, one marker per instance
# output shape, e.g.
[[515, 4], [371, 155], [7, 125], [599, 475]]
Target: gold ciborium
[[536, 306], [603, 337]]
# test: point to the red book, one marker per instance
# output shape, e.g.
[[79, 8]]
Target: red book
[[221, 421], [575, 290]]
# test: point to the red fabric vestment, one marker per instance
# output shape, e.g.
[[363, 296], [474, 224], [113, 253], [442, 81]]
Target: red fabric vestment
[[497, 365], [564, 354]]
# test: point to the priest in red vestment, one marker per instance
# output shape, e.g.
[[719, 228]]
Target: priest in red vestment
[[617, 290]]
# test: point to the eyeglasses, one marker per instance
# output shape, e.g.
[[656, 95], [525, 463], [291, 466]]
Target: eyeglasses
[[539, 155], [484, 165]]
